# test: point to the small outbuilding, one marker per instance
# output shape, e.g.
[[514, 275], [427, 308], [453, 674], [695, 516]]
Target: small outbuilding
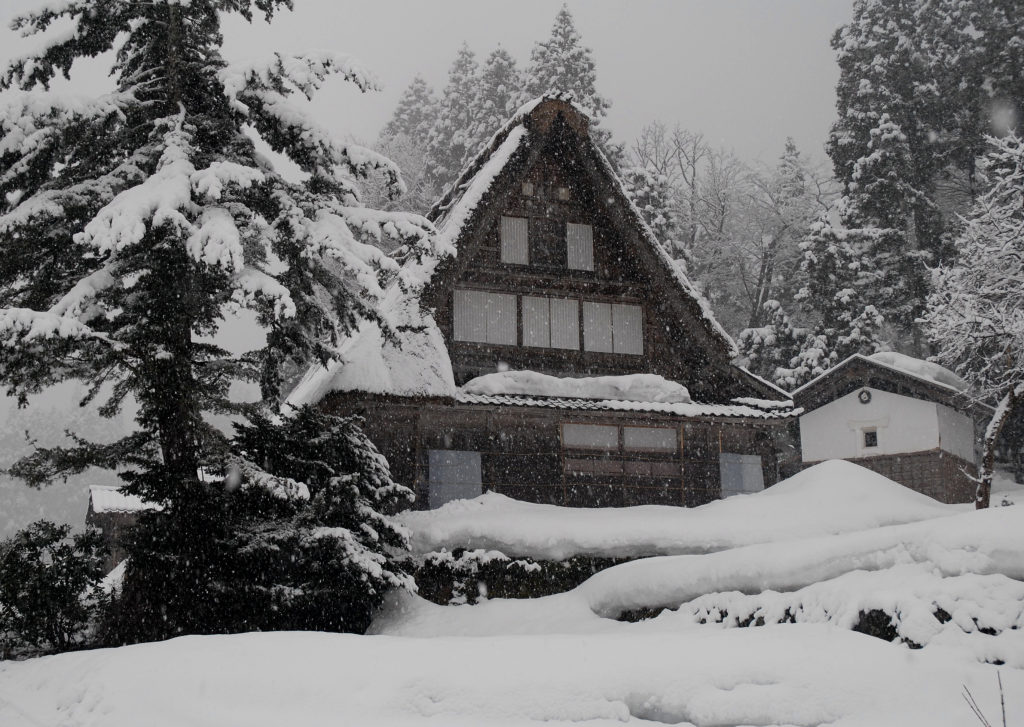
[[912, 421]]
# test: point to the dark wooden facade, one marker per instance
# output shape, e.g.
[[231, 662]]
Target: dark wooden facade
[[523, 454]]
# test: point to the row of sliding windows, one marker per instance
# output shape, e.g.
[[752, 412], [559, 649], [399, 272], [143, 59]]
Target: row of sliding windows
[[486, 317], [515, 244]]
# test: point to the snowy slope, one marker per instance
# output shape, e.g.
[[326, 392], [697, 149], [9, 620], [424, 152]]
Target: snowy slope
[[832, 497]]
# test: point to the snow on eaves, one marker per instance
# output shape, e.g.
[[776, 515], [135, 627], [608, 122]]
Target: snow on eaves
[[627, 387], [459, 212], [105, 499], [926, 371], [674, 409]]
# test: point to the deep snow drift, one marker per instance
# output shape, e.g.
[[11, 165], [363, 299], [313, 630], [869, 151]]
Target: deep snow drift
[[830, 498]]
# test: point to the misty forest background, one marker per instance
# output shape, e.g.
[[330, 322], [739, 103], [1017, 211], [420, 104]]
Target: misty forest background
[[804, 261]]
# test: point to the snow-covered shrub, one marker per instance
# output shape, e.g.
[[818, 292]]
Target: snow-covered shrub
[[469, 576], [48, 588]]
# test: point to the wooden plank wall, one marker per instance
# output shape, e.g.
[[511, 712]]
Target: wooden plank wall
[[522, 455]]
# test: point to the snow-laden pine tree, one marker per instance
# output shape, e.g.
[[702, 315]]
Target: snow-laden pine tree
[[134, 224], [499, 93], [415, 112], [309, 546], [562, 64], [837, 274], [976, 310], [449, 141], [773, 349], [404, 140], [886, 148], [658, 204]]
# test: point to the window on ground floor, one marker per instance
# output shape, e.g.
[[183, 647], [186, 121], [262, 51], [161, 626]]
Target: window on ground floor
[[452, 475], [740, 473]]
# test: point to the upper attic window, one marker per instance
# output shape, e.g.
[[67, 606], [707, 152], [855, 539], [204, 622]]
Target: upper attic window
[[515, 241], [528, 189], [563, 193], [579, 246]]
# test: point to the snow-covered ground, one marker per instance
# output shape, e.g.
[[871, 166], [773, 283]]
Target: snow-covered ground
[[806, 558], [792, 675]]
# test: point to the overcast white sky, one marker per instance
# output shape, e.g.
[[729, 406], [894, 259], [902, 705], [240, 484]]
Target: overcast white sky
[[746, 72]]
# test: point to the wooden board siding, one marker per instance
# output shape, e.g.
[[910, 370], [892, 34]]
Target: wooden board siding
[[523, 455], [935, 473]]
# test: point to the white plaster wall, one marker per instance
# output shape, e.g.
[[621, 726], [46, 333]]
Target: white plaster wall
[[835, 431], [956, 433]]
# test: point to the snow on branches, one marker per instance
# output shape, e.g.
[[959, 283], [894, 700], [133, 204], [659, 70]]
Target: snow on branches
[[976, 308]]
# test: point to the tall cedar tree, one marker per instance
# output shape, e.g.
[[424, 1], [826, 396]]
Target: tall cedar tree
[[134, 223], [404, 140], [976, 311], [448, 143], [562, 64], [838, 274], [415, 113], [921, 83], [499, 93], [885, 150]]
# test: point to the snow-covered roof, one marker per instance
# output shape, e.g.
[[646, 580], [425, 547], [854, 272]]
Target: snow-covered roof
[[628, 387], [104, 499], [925, 371], [675, 409]]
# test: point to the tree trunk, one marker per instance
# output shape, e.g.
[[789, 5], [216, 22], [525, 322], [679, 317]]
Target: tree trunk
[[1003, 413]]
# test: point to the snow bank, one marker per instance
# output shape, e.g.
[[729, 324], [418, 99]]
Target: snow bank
[[982, 615], [832, 497], [982, 542], [920, 369], [793, 675], [630, 387]]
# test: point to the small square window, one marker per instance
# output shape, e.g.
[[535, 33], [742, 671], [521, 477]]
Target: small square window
[[870, 437], [527, 189], [563, 193]]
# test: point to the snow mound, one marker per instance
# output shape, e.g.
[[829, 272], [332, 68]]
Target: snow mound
[[979, 542], [829, 498], [926, 370], [630, 387], [919, 605]]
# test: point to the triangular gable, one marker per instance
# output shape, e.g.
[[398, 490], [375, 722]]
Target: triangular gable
[[510, 152]]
